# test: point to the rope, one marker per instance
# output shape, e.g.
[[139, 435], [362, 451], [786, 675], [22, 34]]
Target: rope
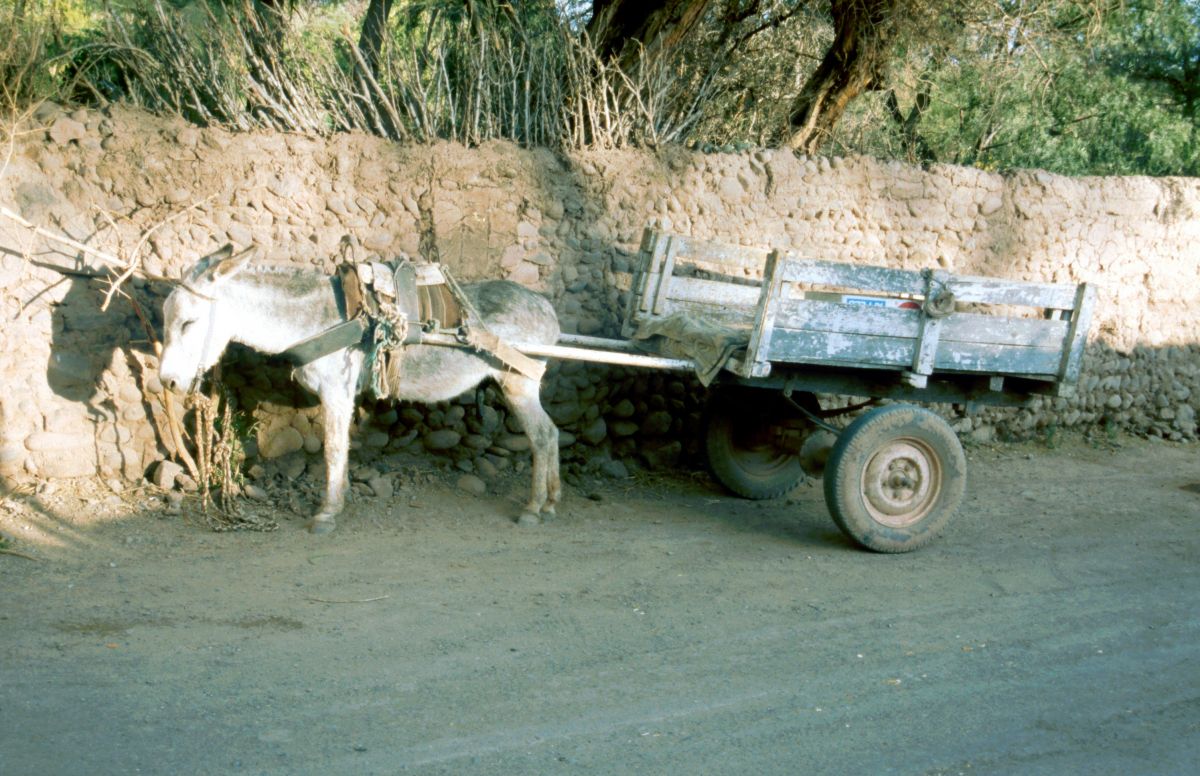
[[387, 339], [939, 303]]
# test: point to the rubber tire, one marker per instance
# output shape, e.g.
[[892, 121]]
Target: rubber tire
[[730, 416], [878, 431]]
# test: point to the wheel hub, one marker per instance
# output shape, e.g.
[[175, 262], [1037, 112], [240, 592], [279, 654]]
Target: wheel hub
[[901, 482]]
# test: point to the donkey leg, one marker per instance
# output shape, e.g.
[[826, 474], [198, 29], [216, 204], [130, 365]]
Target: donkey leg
[[521, 393], [339, 410]]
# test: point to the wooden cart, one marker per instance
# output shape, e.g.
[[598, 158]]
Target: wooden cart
[[772, 331]]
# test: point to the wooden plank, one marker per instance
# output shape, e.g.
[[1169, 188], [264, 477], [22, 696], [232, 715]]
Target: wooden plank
[[857, 276], [709, 252], [637, 281], [1013, 292], [714, 292], [759, 347], [1076, 339], [816, 347], [666, 276], [822, 347], [807, 314], [966, 288], [927, 345], [737, 317], [650, 278], [1002, 330], [997, 359]]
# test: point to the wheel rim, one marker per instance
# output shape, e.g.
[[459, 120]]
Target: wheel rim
[[901, 482], [756, 453]]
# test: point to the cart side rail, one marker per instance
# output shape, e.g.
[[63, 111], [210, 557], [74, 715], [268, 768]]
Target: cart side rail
[[796, 325], [661, 284]]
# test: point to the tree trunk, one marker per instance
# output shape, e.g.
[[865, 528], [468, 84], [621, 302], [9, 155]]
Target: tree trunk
[[854, 63], [374, 26], [660, 25]]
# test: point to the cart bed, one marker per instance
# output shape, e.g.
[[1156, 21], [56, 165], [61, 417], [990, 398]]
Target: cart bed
[[796, 312]]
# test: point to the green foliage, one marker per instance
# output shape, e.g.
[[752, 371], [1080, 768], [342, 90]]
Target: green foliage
[[1058, 91], [1072, 86]]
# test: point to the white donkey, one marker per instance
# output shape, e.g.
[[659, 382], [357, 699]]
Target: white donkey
[[220, 301]]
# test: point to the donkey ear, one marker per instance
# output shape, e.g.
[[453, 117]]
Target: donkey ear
[[221, 265], [203, 267], [232, 266]]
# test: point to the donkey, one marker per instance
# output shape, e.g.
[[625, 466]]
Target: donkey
[[220, 301]]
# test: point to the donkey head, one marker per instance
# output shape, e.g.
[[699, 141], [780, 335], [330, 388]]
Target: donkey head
[[195, 332]]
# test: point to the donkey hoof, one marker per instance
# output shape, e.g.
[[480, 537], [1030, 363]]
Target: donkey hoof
[[318, 526], [528, 519]]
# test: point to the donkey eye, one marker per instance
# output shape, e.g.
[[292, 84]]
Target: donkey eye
[[183, 327]]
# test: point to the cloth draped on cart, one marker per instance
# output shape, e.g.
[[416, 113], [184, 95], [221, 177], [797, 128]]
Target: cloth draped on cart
[[707, 343]]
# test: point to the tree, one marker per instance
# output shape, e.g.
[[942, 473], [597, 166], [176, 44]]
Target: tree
[[1160, 47], [856, 61], [370, 39], [618, 27]]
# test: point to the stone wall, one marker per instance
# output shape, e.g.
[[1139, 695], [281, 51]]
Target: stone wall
[[79, 388]]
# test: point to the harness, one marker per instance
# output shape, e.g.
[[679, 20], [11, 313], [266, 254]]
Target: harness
[[390, 306]]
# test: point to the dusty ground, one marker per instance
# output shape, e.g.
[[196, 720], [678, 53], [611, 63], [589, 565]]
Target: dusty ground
[[662, 628]]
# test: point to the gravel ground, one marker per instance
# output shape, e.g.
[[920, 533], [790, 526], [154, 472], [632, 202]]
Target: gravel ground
[[656, 626]]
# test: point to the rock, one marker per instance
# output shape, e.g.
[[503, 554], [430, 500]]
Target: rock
[[486, 469], [565, 413], [47, 111], [378, 241], [623, 409], [624, 428], [469, 483], [376, 440], [65, 466], [663, 457], [166, 474], [476, 441], [58, 443], [294, 467], [489, 420], [442, 439], [282, 442], [524, 273], [515, 443], [252, 491], [983, 434], [239, 235], [595, 432], [65, 129], [381, 486], [656, 423], [615, 469], [364, 474], [186, 483], [12, 457], [990, 205]]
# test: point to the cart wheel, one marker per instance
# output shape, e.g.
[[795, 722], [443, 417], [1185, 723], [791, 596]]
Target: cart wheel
[[752, 437], [895, 478]]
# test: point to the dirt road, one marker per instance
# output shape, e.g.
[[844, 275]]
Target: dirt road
[[664, 628]]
